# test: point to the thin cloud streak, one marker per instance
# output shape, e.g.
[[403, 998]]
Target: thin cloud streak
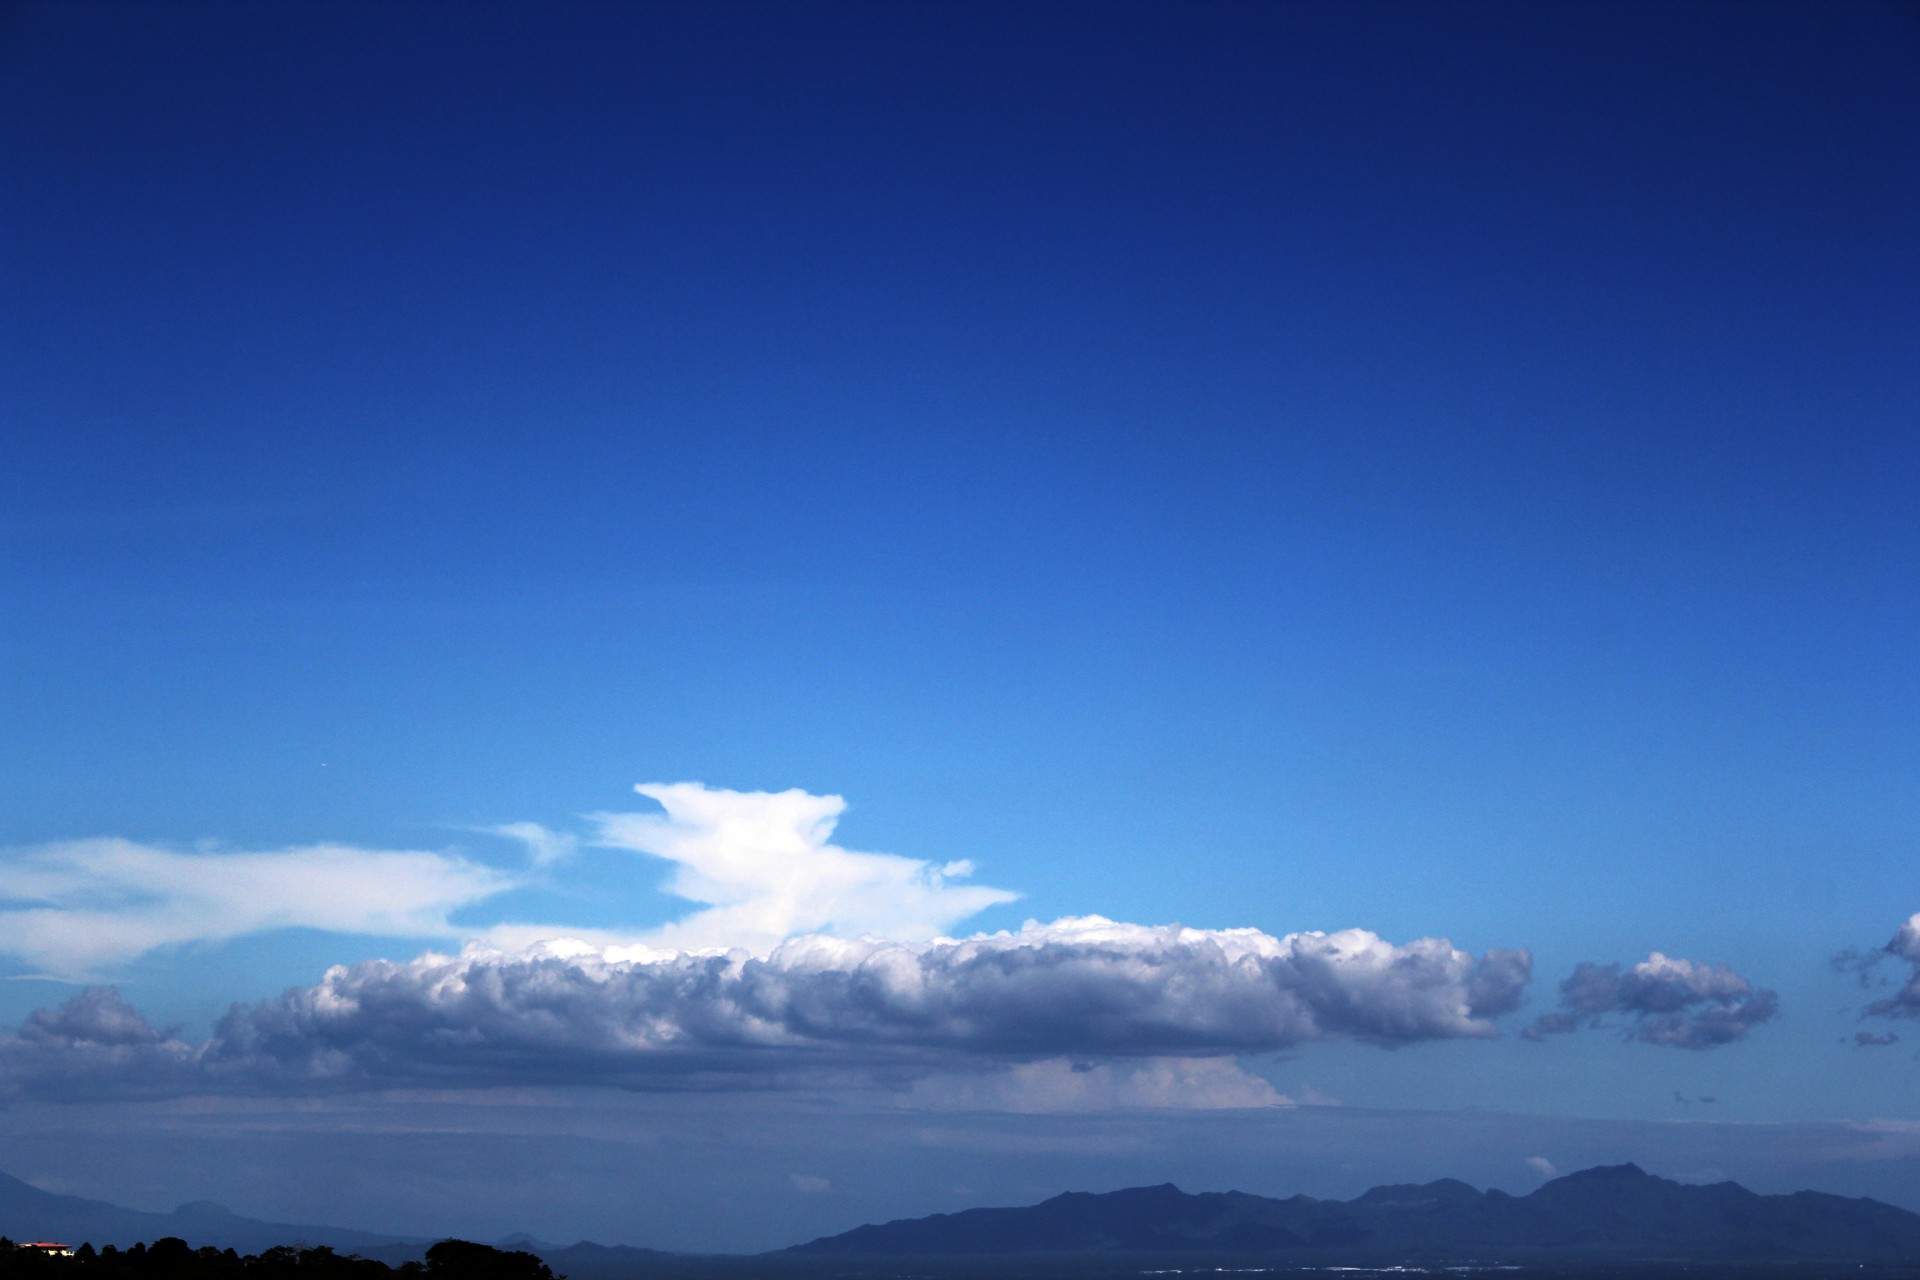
[[76, 909]]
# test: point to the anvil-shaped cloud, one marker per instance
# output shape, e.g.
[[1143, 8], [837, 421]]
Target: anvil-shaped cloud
[[764, 865]]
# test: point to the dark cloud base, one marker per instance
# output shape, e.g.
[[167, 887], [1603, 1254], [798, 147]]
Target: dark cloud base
[[1662, 1000]]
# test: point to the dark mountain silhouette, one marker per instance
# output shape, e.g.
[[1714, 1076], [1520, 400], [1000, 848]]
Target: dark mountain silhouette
[[1617, 1211], [1614, 1213], [28, 1213]]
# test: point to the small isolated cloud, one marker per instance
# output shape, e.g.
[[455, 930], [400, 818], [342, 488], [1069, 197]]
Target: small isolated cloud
[[1873, 1039], [810, 1184], [544, 847], [1861, 963], [1905, 945], [1665, 1000], [1061, 1085], [76, 908], [764, 865], [1086, 989], [1542, 1167]]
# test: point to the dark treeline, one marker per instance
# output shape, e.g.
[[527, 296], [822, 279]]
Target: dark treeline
[[171, 1258]]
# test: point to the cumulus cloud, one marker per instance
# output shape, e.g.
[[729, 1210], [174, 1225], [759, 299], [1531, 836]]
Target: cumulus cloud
[[95, 1043], [763, 864], [1085, 988], [1665, 1000], [76, 908], [805, 962]]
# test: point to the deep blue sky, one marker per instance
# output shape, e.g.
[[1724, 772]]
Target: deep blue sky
[[1442, 469]]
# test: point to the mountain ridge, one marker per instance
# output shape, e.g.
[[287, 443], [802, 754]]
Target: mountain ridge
[[1606, 1211]]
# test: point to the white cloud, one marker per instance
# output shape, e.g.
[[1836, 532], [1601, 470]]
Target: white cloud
[[763, 865], [1089, 989], [1542, 1166], [77, 908]]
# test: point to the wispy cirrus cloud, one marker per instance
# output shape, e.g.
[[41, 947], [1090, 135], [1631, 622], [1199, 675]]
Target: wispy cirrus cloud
[[545, 847], [76, 909], [1087, 988], [1664, 1000]]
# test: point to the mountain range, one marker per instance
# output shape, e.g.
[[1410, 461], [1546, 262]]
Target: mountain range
[[1616, 1212]]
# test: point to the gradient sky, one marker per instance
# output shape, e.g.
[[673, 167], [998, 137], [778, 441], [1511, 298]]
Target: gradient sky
[[1447, 471]]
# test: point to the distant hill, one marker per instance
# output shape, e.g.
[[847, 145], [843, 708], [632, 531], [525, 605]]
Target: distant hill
[[28, 1213], [1618, 1211]]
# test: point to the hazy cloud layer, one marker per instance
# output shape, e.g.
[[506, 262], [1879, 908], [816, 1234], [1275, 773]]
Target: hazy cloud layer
[[1084, 988], [1664, 1000], [1053, 1086], [76, 908]]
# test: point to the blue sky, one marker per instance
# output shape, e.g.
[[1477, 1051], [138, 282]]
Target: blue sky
[[1444, 471]]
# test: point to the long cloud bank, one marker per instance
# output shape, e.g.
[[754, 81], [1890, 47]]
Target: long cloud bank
[[560, 1014]]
